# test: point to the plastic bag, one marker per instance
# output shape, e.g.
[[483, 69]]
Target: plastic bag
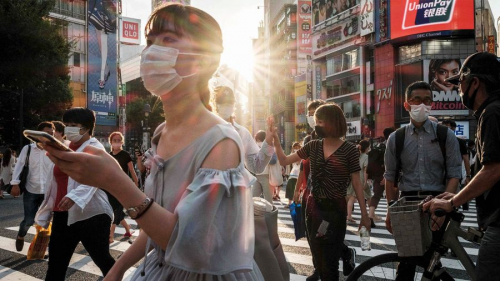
[[295, 213], [40, 243]]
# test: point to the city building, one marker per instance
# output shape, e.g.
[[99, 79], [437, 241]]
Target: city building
[[71, 15], [280, 21], [156, 3], [424, 43], [341, 60], [257, 102]]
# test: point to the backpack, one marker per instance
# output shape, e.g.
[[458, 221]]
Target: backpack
[[376, 161], [441, 134], [274, 159]]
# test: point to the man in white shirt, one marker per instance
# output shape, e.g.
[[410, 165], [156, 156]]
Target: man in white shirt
[[39, 167], [257, 156]]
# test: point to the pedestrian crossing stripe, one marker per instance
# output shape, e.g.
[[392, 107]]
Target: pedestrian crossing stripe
[[379, 236]]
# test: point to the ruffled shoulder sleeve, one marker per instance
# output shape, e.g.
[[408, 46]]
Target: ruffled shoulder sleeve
[[215, 229]]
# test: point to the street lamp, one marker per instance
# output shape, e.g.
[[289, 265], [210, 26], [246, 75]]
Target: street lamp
[[20, 112], [145, 128]]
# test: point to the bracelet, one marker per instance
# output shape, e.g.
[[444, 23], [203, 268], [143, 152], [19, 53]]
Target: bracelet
[[136, 212], [451, 202], [469, 176], [145, 209]]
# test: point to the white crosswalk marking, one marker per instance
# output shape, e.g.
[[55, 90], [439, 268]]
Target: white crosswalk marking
[[296, 252]]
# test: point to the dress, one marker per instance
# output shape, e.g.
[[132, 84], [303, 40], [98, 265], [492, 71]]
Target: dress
[[214, 235], [363, 163]]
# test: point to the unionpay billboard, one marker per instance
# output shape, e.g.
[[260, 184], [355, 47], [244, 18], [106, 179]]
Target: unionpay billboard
[[429, 17]]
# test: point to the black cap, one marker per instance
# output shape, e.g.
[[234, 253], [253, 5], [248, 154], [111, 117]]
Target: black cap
[[478, 64]]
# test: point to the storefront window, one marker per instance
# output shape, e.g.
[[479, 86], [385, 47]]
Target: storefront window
[[352, 109], [342, 62], [344, 86]]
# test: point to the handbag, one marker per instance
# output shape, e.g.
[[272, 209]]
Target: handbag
[[23, 177], [39, 244], [268, 253]]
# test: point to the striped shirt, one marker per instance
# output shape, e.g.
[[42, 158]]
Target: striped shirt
[[331, 177]]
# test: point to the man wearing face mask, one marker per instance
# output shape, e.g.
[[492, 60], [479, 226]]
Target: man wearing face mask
[[425, 170], [256, 159], [79, 213], [39, 167], [479, 81]]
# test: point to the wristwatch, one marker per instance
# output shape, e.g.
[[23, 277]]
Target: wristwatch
[[136, 212]]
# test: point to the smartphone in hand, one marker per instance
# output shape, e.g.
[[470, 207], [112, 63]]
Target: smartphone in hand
[[45, 139]]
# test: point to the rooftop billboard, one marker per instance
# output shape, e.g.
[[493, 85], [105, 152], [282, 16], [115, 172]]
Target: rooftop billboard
[[410, 17]]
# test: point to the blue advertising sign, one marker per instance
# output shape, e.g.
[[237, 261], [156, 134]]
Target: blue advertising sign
[[102, 76]]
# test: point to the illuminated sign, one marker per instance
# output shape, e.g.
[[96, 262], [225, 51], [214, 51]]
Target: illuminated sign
[[409, 17]]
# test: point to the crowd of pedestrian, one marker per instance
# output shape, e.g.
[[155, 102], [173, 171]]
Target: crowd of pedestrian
[[204, 171]]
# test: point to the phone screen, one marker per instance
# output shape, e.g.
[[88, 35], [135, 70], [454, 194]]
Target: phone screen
[[45, 139]]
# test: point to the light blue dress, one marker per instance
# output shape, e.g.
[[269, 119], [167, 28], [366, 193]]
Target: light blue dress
[[214, 236]]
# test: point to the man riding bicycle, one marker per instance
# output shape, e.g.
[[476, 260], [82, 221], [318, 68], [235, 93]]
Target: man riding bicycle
[[479, 82]]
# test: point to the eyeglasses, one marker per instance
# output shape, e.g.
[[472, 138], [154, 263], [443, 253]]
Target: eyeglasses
[[419, 100]]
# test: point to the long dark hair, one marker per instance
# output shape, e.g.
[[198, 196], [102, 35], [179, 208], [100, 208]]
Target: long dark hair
[[7, 154]]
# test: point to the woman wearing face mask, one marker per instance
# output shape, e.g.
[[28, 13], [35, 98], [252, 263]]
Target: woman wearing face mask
[[364, 148], [334, 164], [294, 174], [196, 212], [123, 158], [81, 213]]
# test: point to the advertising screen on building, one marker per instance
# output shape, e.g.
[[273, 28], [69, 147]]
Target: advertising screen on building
[[446, 100], [101, 82], [326, 9], [410, 17]]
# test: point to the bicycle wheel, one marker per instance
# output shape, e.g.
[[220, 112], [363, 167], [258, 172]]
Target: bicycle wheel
[[384, 267]]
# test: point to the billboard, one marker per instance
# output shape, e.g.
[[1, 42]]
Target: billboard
[[446, 100], [130, 31], [327, 9], [410, 17], [304, 27], [336, 36], [102, 77], [367, 19]]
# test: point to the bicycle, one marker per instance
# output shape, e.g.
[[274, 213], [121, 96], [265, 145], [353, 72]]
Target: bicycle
[[428, 266]]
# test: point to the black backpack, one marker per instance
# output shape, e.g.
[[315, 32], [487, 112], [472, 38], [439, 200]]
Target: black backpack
[[441, 134], [376, 161]]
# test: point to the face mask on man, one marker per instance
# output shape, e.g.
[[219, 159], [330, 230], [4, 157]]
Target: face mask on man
[[73, 134], [420, 113], [157, 69], [469, 101], [225, 111], [311, 121]]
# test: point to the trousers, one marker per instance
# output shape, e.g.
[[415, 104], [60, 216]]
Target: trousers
[[92, 232]]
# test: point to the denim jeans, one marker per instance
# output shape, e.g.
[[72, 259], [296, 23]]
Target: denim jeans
[[32, 202], [488, 263]]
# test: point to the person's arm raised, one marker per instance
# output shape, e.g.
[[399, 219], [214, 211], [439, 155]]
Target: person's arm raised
[[282, 158]]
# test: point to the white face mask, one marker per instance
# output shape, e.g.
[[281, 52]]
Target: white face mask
[[225, 111], [157, 69], [311, 121], [420, 112], [73, 134], [116, 145]]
